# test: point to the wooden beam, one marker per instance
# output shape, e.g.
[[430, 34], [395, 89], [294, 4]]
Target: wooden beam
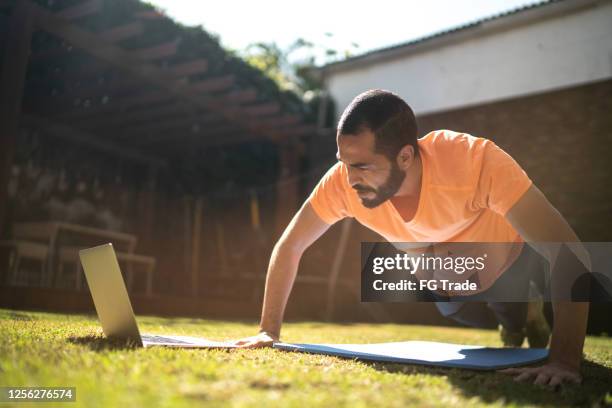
[[277, 121], [212, 85], [82, 88], [101, 119], [122, 32], [81, 104], [156, 52], [229, 140], [117, 105], [197, 66], [300, 130], [235, 137], [149, 15], [123, 119], [62, 131], [80, 10], [118, 82], [156, 127], [145, 136], [128, 62], [13, 68], [186, 135], [262, 109], [63, 72], [238, 97], [60, 50]]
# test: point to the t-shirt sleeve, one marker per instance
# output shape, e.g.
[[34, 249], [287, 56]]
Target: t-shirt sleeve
[[328, 198], [501, 182]]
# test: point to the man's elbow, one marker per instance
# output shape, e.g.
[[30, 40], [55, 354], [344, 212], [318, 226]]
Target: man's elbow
[[288, 248]]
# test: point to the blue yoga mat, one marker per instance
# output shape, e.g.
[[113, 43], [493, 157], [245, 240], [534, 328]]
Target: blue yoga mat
[[427, 353]]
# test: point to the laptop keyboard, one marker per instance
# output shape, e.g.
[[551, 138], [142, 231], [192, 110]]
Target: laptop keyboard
[[160, 339]]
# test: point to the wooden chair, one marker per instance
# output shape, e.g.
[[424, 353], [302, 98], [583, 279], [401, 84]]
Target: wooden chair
[[147, 261], [20, 250], [71, 255]]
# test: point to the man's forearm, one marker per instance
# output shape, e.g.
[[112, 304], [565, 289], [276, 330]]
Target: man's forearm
[[279, 281]]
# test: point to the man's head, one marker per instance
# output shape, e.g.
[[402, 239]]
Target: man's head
[[377, 140]]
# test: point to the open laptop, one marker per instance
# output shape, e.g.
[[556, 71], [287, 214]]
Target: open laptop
[[114, 308]]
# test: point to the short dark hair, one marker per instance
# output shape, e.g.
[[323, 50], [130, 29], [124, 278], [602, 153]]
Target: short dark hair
[[387, 115]]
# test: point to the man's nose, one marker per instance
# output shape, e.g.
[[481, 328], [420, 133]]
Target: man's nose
[[354, 178]]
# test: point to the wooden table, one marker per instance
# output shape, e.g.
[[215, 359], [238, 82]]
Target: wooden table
[[49, 232]]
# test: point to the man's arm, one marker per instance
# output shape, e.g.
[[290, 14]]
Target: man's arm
[[305, 228], [534, 217]]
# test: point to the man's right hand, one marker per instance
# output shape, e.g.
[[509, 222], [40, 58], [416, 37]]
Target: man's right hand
[[302, 231], [262, 339]]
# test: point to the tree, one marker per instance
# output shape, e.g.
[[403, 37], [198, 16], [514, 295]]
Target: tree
[[291, 68]]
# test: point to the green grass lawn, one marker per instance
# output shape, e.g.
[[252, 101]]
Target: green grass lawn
[[45, 349]]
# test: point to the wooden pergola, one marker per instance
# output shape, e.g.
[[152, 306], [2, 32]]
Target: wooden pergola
[[130, 89]]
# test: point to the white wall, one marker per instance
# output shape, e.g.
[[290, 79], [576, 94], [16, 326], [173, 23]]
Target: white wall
[[548, 54]]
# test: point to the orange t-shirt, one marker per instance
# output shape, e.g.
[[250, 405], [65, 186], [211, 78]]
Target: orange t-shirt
[[468, 185]]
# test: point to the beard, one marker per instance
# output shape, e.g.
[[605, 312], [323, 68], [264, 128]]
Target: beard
[[385, 191]]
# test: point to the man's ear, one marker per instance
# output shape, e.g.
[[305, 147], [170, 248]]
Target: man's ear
[[405, 157]]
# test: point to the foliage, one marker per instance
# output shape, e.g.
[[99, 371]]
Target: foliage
[[293, 67]]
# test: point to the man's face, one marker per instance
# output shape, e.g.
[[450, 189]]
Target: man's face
[[372, 175]]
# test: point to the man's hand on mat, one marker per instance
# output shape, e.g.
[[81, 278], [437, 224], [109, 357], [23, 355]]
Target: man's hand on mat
[[551, 374], [263, 339]]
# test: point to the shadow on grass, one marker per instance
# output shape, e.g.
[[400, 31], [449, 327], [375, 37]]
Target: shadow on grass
[[20, 316], [181, 321], [491, 386], [99, 343]]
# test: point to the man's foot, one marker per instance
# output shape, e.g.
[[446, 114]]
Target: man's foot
[[511, 339], [536, 327]]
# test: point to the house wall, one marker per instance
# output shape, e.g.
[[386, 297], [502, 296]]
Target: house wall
[[529, 58], [562, 139]]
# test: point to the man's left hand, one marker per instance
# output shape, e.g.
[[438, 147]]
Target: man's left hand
[[551, 374]]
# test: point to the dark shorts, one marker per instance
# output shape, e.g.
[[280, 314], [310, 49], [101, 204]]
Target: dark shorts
[[529, 267]]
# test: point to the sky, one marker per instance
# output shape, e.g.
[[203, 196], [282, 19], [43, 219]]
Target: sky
[[370, 24]]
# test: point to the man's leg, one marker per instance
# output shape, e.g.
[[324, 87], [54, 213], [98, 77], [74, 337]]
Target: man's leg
[[516, 319], [511, 315], [525, 318]]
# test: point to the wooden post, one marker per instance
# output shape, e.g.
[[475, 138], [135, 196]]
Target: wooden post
[[221, 245], [286, 187], [335, 270], [146, 207], [187, 246], [254, 208], [12, 78], [195, 250]]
